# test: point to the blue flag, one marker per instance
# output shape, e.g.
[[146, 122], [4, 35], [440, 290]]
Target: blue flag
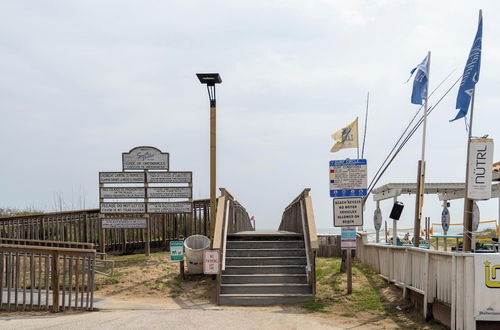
[[420, 82], [471, 73]]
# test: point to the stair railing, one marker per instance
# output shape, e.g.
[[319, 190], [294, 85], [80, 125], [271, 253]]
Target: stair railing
[[298, 217], [231, 217]]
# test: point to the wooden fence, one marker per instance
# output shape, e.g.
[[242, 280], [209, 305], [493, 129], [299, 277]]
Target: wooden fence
[[329, 246], [84, 226], [46, 278]]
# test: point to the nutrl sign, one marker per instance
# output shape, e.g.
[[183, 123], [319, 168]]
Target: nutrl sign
[[480, 169]]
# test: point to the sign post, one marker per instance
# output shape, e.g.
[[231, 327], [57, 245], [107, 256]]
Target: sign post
[[348, 184], [177, 254], [149, 165]]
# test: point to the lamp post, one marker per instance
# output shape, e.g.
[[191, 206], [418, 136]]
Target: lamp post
[[210, 79]]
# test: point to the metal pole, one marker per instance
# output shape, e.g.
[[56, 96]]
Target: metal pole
[[366, 124], [213, 141], [395, 228], [419, 200], [468, 203], [357, 138], [385, 231]]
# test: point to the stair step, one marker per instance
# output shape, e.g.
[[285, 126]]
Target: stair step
[[265, 288], [265, 244], [263, 299], [264, 236], [263, 278], [265, 252], [265, 269], [249, 261]]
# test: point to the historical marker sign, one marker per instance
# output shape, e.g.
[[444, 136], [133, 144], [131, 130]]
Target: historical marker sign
[[480, 169], [169, 207], [121, 177], [348, 178], [170, 177], [145, 158], [176, 250], [123, 207], [347, 212], [348, 238], [169, 192], [122, 192], [124, 223]]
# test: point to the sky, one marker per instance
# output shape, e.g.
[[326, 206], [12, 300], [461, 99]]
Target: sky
[[83, 81]]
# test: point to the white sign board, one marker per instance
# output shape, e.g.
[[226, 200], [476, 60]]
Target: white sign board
[[348, 178], [121, 177], [124, 223], [347, 212], [145, 158], [169, 207], [170, 192], [122, 192], [170, 177], [487, 286], [348, 238], [125, 207], [480, 169], [445, 219], [211, 262]]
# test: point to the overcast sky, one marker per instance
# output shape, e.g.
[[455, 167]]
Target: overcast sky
[[83, 81]]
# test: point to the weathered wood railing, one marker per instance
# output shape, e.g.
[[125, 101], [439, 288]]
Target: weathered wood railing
[[84, 226], [231, 217], [46, 278], [434, 276], [298, 217]]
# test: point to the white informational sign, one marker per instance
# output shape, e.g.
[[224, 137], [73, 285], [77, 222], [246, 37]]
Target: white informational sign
[[121, 177], [475, 217], [169, 207], [347, 212], [170, 177], [145, 158], [377, 219], [348, 238], [348, 178], [122, 192], [211, 262], [487, 286], [170, 192], [480, 169], [124, 223], [123, 207], [176, 250]]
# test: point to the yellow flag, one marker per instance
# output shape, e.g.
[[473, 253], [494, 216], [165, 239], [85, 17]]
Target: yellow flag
[[347, 137]]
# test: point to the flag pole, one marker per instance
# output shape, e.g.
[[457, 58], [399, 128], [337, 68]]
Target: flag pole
[[468, 203], [366, 123], [357, 138], [419, 198]]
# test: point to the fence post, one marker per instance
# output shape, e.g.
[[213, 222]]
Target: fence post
[[55, 282]]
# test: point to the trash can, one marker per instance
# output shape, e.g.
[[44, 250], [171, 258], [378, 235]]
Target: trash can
[[194, 246]]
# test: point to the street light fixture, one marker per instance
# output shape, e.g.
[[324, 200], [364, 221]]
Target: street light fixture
[[210, 79]]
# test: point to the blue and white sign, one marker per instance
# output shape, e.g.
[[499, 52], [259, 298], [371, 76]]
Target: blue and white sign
[[445, 219], [348, 238], [348, 178]]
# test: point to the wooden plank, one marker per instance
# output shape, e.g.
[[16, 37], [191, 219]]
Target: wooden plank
[[16, 281], [9, 278], [55, 281], [24, 281], [2, 256], [83, 282], [47, 272], [77, 277], [39, 281], [64, 283]]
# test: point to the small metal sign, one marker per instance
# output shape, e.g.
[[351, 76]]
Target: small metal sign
[[169, 207], [377, 219], [145, 158], [445, 219], [170, 177], [124, 223], [121, 177], [475, 216], [348, 178], [211, 262], [176, 250], [170, 192], [348, 238], [123, 207], [347, 212], [122, 192]]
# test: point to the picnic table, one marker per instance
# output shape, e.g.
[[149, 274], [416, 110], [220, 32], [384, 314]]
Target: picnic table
[[445, 237]]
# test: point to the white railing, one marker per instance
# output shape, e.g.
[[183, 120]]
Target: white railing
[[445, 277]]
